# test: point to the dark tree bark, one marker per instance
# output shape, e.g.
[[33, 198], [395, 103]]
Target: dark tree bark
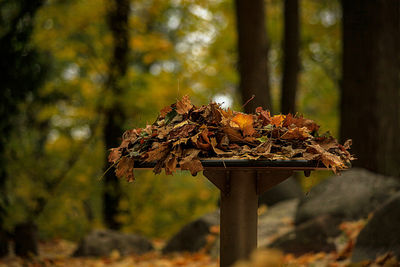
[[253, 54], [20, 76], [370, 102], [114, 116], [291, 56], [26, 240]]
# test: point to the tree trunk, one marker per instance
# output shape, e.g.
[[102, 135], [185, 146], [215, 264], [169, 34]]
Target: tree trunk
[[291, 56], [114, 116], [370, 103], [253, 54], [26, 240]]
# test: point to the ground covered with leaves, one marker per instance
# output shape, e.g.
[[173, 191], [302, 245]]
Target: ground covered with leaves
[[183, 134], [58, 253]]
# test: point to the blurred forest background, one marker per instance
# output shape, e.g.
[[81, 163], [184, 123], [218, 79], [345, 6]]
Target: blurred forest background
[[76, 74]]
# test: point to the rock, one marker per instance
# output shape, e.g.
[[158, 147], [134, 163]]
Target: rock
[[102, 242], [288, 189], [192, 237], [353, 195], [276, 221], [311, 236], [381, 234]]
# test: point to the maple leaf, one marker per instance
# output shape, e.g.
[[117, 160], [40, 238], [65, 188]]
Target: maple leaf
[[125, 169], [184, 105], [328, 159], [245, 123], [297, 133], [277, 120]]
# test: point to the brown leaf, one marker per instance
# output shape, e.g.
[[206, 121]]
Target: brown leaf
[[159, 153], [264, 148], [125, 169], [182, 131], [170, 164], [184, 105], [244, 122], [292, 121], [328, 159], [327, 143], [265, 115], [114, 155], [233, 134], [217, 150], [190, 161], [296, 133], [348, 144]]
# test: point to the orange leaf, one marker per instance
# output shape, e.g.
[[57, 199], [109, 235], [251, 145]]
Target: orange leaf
[[245, 123], [165, 111], [277, 120]]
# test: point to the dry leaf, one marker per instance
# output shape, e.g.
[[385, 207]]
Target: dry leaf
[[125, 168], [244, 122], [297, 133], [184, 105], [277, 120]]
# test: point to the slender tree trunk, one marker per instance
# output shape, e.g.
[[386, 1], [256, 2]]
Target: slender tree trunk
[[370, 103], [291, 56], [253, 54], [114, 115]]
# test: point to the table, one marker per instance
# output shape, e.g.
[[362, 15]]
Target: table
[[240, 182]]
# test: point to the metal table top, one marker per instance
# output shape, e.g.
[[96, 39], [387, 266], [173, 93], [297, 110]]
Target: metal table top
[[232, 164]]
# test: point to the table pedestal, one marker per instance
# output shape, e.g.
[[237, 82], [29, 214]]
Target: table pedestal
[[239, 202]]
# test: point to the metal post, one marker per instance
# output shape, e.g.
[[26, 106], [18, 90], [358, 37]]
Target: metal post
[[238, 218]]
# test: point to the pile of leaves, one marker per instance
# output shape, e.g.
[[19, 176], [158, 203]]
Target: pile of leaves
[[183, 134]]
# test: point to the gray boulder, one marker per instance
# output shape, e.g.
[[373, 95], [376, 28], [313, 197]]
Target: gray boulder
[[352, 195], [311, 236], [192, 237], [381, 234], [100, 243], [276, 221], [288, 189]]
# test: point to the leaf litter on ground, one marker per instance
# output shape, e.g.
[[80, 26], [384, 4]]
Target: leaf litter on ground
[[183, 134]]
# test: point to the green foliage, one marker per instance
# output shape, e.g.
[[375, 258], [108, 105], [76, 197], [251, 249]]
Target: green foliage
[[56, 153]]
